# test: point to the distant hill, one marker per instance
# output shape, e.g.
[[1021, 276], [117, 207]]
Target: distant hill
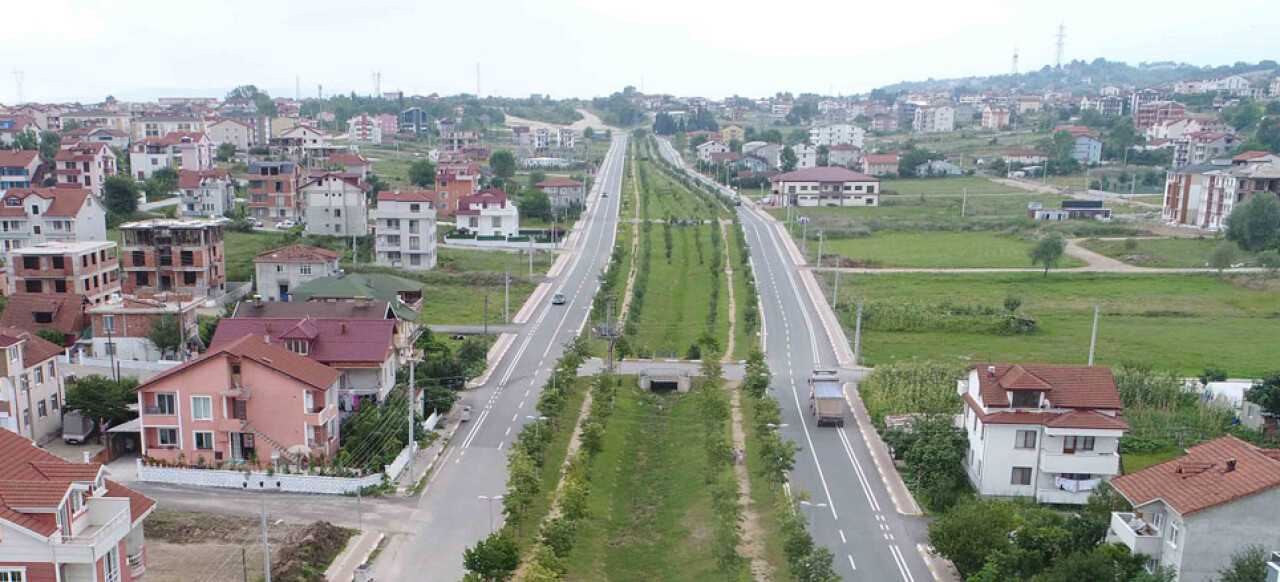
[[1080, 77]]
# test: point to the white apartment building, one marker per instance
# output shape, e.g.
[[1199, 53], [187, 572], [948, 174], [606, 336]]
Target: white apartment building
[[336, 205], [364, 129], [206, 193], [934, 119], [826, 186], [84, 165], [1048, 432], [405, 223], [186, 151], [806, 155], [31, 389], [280, 271], [489, 213], [232, 131], [837, 134], [39, 215], [147, 127], [705, 149]]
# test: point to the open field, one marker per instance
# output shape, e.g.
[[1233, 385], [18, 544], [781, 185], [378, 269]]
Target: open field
[[650, 510], [242, 247], [964, 140], [465, 260], [935, 250], [460, 300], [1169, 252], [1177, 323]]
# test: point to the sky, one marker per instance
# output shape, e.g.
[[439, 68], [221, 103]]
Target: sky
[[144, 49]]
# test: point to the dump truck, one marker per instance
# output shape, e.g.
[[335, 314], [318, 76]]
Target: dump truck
[[826, 398], [76, 429]]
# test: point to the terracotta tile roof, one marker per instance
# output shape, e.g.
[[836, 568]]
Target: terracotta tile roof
[[192, 179], [251, 347], [20, 158], [35, 351], [1086, 419], [880, 158], [367, 341], [298, 254], [1022, 152], [65, 202], [1202, 479], [845, 147], [343, 159], [1249, 155], [407, 196], [1065, 386], [824, 174], [558, 183], [20, 311], [489, 196], [32, 477], [82, 152], [351, 179]]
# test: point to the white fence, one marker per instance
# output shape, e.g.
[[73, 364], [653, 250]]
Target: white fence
[[80, 359], [256, 480], [500, 244], [431, 422]]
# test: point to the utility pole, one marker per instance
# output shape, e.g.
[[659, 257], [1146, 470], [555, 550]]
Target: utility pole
[[266, 546], [804, 238], [531, 257], [608, 331], [1059, 45], [244, 564], [964, 201], [857, 336], [506, 293], [820, 240], [486, 323], [835, 293], [413, 384], [1093, 338]]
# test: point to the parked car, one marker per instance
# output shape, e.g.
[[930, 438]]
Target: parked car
[[557, 299], [285, 224], [254, 222], [466, 413]]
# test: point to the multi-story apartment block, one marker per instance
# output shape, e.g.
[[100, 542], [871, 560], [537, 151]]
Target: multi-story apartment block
[[1157, 112], [66, 521], [178, 150], [489, 213], [884, 123], [806, 155], [279, 271], [1204, 195], [1191, 514], [117, 120], [231, 130], [352, 164], [1202, 147], [836, 134], [159, 126], [455, 140], [939, 119], [185, 256], [120, 326], [31, 389], [1047, 432], [243, 400], [57, 268], [19, 169], [336, 204], [302, 143], [273, 191], [826, 186], [84, 165], [112, 137], [414, 120], [364, 128], [454, 181], [564, 192], [206, 192], [1108, 105], [406, 226], [38, 215], [994, 117]]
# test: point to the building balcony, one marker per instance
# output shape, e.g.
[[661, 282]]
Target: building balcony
[[137, 564], [106, 523], [1080, 462], [1140, 536]]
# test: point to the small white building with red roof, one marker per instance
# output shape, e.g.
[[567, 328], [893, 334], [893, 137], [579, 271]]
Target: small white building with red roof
[[19, 169], [84, 165], [1048, 432], [207, 193], [826, 186], [352, 163], [32, 216], [564, 192], [490, 213], [186, 150]]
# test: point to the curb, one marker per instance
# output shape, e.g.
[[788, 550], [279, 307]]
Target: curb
[[494, 356], [892, 480], [333, 575]]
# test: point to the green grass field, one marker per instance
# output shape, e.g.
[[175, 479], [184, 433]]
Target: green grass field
[[1168, 252], [465, 260], [449, 300], [242, 247], [650, 511], [1131, 462], [677, 301], [941, 250], [1176, 323]]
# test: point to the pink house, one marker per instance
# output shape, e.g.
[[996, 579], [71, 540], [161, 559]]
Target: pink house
[[66, 521], [242, 401]]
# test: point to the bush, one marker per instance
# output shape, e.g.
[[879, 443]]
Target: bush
[[911, 387]]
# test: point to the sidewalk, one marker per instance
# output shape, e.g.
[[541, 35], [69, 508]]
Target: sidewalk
[[357, 552], [425, 459], [903, 500]]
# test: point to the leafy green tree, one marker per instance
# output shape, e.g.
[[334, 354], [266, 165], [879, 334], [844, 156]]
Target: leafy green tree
[[1255, 225], [1224, 254], [1048, 251], [934, 459], [558, 534], [162, 183], [120, 195], [523, 484], [1248, 564], [697, 140], [789, 159], [969, 532], [589, 132], [1269, 260], [493, 558], [798, 135], [503, 164], [226, 151], [534, 204], [26, 141], [1265, 392], [818, 566], [102, 398], [50, 145], [261, 99], [422, 173], [166, 335], [1106, 563], [53, 336]]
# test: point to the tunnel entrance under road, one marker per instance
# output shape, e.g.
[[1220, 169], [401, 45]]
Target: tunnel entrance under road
[[664, 380]]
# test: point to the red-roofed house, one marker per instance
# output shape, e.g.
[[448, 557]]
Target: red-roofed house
[[1255, 157], [880, 164], [336, 204], [826, 186], [1192, 513], [362, 350], [66, 521], [31, 390], [206, 192], [279, 271], [406, 226], [84, 165], [243, 399], [453, 182], [178, 150], [1048, 432], [1202, 147], [19, 169], [233, 131], [12, 125], [39, 215], [844, 155], [352, 163], [489, 213], [564, 192]]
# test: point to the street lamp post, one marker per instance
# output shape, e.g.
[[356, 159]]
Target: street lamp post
[[537, 427], [490, 499], [804, 235], [811, 506]]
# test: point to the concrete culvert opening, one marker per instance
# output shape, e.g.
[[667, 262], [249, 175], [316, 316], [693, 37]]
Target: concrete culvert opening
[[662, 386], [665, 380]]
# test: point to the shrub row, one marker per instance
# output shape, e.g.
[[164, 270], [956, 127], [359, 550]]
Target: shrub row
[[916, 317]]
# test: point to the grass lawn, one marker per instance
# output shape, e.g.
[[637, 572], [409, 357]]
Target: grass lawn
[[467, 260], [650, 510], [677, 301], [953, 186], [1131, 462], [1175, 323], [242, 247], [453, 300], [1168, 252], [936, 250]]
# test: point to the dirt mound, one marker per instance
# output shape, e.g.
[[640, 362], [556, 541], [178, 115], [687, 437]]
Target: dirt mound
[[306, 556], [181, 527]]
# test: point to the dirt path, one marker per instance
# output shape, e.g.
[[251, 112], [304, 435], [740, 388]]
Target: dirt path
[[1096, 260], [733, 310], [589, 119], [575, 442], [635, 246], [752, 544]]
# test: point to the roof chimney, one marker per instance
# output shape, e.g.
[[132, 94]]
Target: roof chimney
[[991, 371], [342, 327], [1231, 465]]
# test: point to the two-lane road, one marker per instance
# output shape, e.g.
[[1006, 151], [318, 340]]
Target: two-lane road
[[449, 516], [857, 520]]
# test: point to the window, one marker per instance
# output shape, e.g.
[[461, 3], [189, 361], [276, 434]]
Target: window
[[53, 402], [1021, 476], [204, 440], [1072, 444], [13, 574], [111, 564], [40, 375], [167, 437], [1026, 399], [297, 346], [414, 207], [1025, 439], [201, 408], [43, 316], [304, 270], [139, 258], [41, 409], [1174, 533], [32, 285]]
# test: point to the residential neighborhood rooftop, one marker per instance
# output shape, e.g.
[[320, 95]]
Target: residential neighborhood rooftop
[[1210, 474]]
